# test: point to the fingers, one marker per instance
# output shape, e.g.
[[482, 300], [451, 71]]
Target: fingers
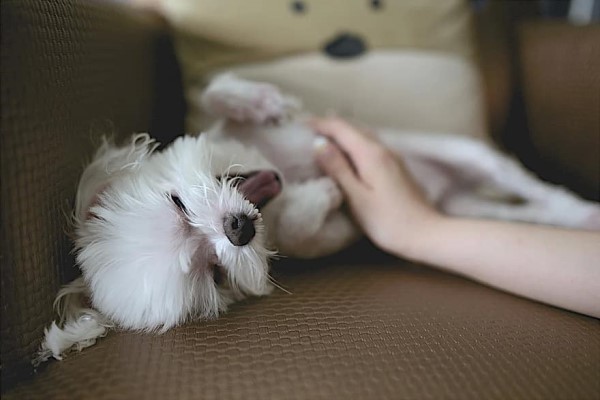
[[335, 164], [350, 140]]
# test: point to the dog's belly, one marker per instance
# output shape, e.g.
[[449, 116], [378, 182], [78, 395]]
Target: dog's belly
[[289, 147]]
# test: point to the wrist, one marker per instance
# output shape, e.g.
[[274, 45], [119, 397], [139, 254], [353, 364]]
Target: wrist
[[420, 235]]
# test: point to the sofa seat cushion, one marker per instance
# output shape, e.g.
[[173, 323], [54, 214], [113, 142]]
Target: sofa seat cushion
[[362, 330]]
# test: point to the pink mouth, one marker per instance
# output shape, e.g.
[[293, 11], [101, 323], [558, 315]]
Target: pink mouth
[[260, 187]]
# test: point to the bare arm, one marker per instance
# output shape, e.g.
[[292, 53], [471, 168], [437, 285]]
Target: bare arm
[[556, 266]]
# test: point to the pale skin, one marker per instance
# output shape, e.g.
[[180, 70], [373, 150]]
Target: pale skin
[[556, 266]]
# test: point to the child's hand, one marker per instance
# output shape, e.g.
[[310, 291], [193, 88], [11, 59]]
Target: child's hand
[[384, 200], [525, 259]]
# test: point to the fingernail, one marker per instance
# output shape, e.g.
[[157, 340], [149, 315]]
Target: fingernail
[[321, 144]]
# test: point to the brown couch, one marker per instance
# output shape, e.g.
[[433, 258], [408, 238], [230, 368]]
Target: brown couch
[[358, 325]]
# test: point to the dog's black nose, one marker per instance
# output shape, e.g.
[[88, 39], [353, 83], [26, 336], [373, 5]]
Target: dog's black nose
[[239, 229], [345, 46]]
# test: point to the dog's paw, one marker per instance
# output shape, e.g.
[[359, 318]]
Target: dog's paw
[[592, 221], [307, 207], [317, 197], [268, 105], [331, 190], [565, 209], [245, 101]]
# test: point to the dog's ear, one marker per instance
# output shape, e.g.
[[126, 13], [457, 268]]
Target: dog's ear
[[204, 260], [109, 162], [85, 212]]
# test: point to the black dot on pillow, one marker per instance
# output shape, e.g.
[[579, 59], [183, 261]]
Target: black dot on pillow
[[376, 4], [298, 7]]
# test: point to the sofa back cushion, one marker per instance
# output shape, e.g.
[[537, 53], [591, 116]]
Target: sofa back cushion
[[71, 72]]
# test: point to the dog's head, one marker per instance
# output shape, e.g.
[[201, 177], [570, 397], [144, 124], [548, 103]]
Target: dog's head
[[163, 236]]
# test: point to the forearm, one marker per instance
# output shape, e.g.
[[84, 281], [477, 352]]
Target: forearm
[[555, 266]]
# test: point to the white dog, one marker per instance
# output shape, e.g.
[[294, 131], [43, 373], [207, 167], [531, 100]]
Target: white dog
[[163, 237]]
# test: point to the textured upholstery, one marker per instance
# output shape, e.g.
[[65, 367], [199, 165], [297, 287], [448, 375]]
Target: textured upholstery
[[71, 72], [348, 331], [359, 325]]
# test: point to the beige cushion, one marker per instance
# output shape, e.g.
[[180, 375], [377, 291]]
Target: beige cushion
[[272, 26], [418, 72], [402, 89]]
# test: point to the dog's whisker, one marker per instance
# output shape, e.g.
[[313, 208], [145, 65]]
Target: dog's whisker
[[231, 166], [205, 188], [277, 284], [210, 157], [206, 196]]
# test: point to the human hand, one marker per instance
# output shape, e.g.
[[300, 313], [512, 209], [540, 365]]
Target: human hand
[[528, 260], [383, 198]]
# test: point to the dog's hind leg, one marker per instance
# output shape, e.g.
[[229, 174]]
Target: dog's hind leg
[[474, 165], [470, 204], [538, 201], [240, 100]]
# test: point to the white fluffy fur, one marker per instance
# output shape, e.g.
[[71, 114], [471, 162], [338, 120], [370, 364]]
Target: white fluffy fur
[[146, 266], [80, 325], [143, 262], [452, 170], [137, 255]]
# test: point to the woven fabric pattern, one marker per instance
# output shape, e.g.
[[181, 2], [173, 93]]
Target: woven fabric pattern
[[348, 332], [71, 72]]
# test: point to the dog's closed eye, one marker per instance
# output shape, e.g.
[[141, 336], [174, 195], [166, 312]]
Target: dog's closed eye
[[177, 201]]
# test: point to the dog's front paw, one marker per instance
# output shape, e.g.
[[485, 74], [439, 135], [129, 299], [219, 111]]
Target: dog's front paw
[[267, 105], [332, 192], [307, 207], [245, 101]]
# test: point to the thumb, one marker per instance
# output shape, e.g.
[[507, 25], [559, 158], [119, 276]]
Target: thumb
[[334, 163]]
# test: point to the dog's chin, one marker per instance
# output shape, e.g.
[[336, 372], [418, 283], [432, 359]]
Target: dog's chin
[[260, 187]]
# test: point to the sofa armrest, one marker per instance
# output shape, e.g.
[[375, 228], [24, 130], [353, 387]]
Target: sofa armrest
[[68, 67]]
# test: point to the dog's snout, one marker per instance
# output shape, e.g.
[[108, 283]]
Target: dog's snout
[[239, 229]]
